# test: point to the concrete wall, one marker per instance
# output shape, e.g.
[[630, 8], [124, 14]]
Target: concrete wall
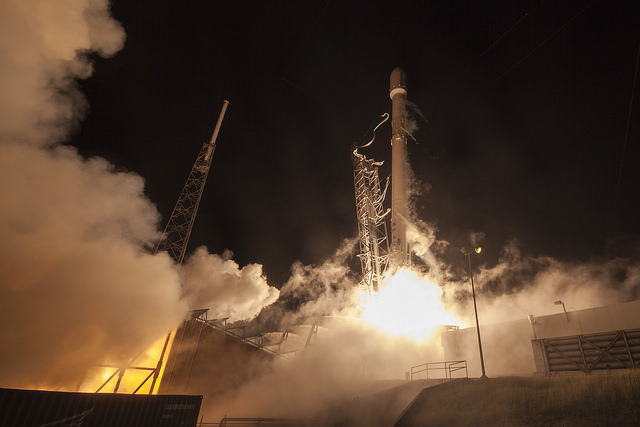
[[507, 346], [613, 317]]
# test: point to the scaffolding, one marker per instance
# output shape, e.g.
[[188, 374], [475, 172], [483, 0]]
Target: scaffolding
[[372, 226]]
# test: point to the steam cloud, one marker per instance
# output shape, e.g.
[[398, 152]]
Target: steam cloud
[[43, 47], [340, 366], [79, 286], [519, 285], [313, 291], [216, 282]]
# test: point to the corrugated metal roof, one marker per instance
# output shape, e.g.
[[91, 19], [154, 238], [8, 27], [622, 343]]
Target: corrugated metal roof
[[26, 408]]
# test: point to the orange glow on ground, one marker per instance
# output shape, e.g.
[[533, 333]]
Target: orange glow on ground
[[408, 305]]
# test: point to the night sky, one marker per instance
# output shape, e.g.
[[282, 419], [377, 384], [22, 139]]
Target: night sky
[[524, 136]]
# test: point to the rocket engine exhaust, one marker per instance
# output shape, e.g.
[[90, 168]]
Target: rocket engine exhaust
[[400, 253]]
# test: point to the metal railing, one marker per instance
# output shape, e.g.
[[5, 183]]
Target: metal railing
[[239, 332], [250, 422], [449, 369]]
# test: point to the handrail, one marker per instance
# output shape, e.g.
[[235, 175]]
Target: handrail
[[449, 368], [248, 340], [247, 422]]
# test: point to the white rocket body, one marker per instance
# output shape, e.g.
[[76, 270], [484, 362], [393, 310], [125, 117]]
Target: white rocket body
[[400, 171]]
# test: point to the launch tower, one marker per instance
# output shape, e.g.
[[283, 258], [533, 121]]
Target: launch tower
[[372, 226], [175, 238]]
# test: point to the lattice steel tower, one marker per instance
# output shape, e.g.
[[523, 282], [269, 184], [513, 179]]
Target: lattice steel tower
[[176, 235], [372, 228]]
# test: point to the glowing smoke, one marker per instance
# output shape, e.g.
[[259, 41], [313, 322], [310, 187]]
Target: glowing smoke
[[409, 305], [79, 286], [342, 363], [348, 354]]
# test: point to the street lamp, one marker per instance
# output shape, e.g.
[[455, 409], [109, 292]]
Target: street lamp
[[468, 252], [566, 316]]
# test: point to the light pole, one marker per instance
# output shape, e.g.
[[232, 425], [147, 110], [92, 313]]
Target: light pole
[[566, 316], [468, 252]]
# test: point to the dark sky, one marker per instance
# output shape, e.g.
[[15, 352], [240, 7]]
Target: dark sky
[[526, 102]]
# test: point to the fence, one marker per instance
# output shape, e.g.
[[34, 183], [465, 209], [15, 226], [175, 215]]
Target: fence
[[449, 369]]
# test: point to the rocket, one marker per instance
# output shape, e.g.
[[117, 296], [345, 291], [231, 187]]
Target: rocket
[[400, 170]]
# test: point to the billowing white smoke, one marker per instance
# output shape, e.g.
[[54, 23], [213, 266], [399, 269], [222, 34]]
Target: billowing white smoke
[[520, 285], [332, 367], [218, 283], [341, 365], [412, 111], [79, 286], [42, 47], [328, 288]]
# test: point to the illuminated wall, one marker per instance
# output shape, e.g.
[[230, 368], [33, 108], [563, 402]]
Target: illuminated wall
[[507, 347]]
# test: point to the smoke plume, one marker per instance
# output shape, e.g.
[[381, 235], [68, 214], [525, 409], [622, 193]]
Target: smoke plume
[[216, 282], [78, 287], [342, 364], [44, 48], [519, 285], [312, 291]]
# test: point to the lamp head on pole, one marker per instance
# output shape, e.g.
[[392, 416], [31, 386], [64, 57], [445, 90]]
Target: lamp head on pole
[[469, 251]]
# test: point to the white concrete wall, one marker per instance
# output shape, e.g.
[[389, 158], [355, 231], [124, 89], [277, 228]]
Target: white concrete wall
[[507, 346]]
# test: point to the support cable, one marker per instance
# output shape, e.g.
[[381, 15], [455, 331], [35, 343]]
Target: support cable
[[531, 52], [385, 117], [626, 133]]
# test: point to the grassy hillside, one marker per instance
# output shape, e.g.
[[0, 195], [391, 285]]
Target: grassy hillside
[[586, 400]]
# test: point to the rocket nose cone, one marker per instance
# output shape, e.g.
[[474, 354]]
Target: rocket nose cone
[[398, 79]]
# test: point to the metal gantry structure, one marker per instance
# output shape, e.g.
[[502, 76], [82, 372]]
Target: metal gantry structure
[[371, 215], [176, 234], [175, 238]]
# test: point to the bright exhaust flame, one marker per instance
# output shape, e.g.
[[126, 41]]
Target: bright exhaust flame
[[408, 305]]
